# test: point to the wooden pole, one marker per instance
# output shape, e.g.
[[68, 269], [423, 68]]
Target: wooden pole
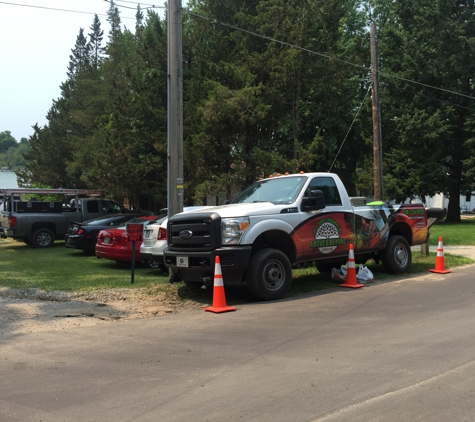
[[175, 109], [377, 136]]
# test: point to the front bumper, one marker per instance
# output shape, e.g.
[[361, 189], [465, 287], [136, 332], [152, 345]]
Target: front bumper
[[79, 242], [201, 265]]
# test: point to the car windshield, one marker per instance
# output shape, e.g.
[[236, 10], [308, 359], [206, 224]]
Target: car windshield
[[280, 190]]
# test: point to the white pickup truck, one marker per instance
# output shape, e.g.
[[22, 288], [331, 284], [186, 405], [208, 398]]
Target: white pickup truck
[[279, 222]]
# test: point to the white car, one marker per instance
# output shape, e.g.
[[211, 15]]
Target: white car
[[155, 240]]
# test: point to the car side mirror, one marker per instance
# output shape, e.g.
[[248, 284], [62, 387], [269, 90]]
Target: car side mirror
[[316, 201]]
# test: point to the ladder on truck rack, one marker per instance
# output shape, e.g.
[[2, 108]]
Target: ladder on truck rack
[[19, 191]]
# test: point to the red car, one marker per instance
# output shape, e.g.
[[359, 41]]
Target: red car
[[113, 243]]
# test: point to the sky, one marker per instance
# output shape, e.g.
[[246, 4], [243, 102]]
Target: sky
[[35, 46]]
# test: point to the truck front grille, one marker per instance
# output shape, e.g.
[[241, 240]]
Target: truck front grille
[[193, 233]]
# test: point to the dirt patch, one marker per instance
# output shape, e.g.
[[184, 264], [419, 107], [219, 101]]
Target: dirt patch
[[31, 310]]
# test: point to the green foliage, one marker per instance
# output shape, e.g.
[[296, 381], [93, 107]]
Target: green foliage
[[269, 86], [6, 141], [427, 132], [11, 151]]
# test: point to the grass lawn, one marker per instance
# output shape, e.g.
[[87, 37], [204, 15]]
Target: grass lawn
[[59, 268], [454, 234]]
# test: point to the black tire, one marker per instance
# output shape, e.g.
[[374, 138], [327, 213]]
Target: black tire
[[148, 263], [269, 274], [397, 256], [43, 238]]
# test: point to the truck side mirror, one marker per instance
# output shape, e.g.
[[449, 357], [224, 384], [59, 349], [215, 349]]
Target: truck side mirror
[[316, 201]]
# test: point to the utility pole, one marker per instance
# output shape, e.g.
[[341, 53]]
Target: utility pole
[[175, 109], [377, 137]]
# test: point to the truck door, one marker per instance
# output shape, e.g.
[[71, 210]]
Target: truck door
[[329, 232]]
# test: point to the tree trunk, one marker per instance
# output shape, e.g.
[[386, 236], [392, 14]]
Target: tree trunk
[[453, 209]]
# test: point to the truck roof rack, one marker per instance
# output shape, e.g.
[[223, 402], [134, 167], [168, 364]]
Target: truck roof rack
[[16, 191]]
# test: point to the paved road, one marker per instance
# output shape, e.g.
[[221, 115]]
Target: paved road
[[396, 351]]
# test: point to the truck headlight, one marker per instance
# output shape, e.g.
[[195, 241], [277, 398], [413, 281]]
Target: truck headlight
[[232, 229]]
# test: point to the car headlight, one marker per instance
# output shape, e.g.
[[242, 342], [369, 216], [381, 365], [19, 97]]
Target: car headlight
[[232, 229]]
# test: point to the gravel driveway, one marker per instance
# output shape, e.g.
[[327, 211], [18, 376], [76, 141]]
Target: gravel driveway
[[29, 311]]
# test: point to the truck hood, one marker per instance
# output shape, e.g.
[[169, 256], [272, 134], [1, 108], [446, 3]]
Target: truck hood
[[243, 210]]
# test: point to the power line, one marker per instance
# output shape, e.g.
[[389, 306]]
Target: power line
[[216, 22], [348, 132], [137, 2], [152, 6], [327, 56], [56, 9], [431, 98]]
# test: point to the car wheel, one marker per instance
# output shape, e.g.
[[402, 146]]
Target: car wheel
[[397, 256], [43, 238], [269, 274], [150, 264]]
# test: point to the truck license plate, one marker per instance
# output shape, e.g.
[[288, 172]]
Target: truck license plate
[[182, 261]]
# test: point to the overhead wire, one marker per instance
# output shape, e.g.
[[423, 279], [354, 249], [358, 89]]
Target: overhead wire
[[431, 98], [347, 133], [151, 6], [214, 21], [328, 56], [55, 9]]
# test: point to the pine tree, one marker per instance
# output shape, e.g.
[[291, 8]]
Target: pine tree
[[94, 45], [429, 130]]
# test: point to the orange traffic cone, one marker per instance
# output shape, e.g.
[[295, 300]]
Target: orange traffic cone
[[219, 300], [439, 261], [351, 272]]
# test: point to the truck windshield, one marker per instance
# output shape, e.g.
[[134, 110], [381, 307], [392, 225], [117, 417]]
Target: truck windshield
[[281, 190]]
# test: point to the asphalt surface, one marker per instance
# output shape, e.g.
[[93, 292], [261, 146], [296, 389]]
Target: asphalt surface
[[396, 351]]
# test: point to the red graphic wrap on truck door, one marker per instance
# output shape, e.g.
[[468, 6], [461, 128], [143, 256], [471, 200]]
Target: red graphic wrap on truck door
[[329, 234], [324, 235]]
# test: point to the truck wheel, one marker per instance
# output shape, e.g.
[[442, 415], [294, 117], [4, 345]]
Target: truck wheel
[[43, 238], [397, 256], [269, 274]]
